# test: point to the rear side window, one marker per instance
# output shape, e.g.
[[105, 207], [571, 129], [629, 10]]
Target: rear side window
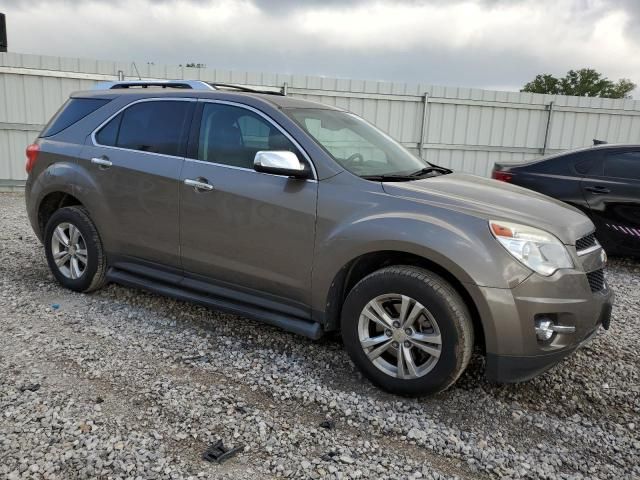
[[156, 127], [623, 165], [584, 166], [108, 135], [73, 110]]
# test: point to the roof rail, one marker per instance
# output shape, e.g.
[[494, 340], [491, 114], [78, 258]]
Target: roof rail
[[242, 88], [186, 84]]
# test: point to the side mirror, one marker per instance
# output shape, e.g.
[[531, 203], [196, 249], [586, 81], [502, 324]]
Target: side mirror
[[279, 162]]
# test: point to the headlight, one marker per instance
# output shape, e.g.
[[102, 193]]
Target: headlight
[[539, 250]]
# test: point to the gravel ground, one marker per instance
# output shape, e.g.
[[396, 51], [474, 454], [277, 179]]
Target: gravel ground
[[122, 383]]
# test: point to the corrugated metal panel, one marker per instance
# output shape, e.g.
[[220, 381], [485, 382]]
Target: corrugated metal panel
[[466, 129]]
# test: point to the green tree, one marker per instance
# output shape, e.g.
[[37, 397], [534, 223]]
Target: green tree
[[585, 82], [544, 83]]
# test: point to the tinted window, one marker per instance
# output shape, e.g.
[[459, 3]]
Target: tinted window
[[73, 110], [232, 136], [623, 165], [157, 127], [108, 135], [554, 165], [584, 166]]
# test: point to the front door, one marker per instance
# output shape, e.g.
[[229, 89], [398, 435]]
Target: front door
[[135, 160], [246, 231], [612, 191]]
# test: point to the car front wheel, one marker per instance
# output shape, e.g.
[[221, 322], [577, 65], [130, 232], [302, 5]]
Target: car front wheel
[[408, 330]]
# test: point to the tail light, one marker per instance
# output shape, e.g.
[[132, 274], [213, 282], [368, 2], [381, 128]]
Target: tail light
[[501, 175], [32, 156]]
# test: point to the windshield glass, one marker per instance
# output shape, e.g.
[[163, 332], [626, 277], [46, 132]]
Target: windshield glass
[[357, 145]]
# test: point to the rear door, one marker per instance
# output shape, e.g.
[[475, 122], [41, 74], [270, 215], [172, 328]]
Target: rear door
[[249, 232], [135, 160], [612, 190]]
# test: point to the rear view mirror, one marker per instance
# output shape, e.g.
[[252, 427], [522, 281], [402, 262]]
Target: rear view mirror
[[279, 162]]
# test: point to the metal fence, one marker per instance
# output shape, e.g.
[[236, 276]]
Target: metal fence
[[466, 129]]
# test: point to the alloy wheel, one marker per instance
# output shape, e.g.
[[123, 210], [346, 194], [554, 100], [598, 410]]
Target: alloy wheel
[[399, 336], [69, 250]]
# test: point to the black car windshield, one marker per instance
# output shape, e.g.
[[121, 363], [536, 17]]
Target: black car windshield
[[360, 147]]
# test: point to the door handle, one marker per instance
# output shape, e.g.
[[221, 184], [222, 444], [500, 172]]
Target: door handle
[[598, 189], [199, 184], [102, 162]]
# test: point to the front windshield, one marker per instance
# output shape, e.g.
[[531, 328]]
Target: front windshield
[[357, 145]]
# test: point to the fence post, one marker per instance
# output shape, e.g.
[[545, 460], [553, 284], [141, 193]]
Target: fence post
[[546, 132], [425, 124], [284, 88]]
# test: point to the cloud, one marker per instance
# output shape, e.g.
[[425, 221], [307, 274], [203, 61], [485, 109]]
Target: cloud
[[461, 42]]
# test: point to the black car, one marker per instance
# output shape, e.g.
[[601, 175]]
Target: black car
[[603, 181]]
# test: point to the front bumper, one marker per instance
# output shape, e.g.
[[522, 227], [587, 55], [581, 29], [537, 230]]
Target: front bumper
[[513, 368], [508, 317]]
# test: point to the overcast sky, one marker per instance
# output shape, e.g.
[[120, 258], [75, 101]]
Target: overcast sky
[[498, 44]]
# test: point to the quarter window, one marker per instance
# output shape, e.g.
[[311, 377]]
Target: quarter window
[[74, 110], [156, 127], [108, 135], [623, 165], [232, 135]]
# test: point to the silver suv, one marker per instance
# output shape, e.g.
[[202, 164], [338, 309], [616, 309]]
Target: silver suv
[[307, 217]]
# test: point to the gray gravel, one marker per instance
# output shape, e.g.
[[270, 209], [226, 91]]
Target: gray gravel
[[127, 384]]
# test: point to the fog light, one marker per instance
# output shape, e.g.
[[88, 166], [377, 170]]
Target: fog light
[[544, 329]]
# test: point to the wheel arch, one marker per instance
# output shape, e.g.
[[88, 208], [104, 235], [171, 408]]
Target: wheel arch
[[64, 184], [365, 264], [52, 202]]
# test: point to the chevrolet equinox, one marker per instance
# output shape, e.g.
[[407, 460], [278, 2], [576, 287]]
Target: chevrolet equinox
[[306, 217]]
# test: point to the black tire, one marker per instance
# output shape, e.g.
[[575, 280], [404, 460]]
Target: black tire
[[93, 275], [442, 301]]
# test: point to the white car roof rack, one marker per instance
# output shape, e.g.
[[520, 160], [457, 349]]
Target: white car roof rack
[[185, 84]]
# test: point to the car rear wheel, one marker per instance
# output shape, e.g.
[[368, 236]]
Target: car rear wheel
[[408, 330], [74, 250]]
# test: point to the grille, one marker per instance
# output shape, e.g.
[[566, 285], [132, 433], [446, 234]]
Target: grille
[[586, 242], [596, 280]]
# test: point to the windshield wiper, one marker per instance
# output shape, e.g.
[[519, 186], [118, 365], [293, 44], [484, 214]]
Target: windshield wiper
[[432, 168], [389, 178], [395, 177]]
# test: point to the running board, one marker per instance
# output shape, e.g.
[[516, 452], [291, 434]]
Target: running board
[[299, 326]]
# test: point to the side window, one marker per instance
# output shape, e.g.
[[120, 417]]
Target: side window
[[232, 135], [255, 132], [156, 126], [108, 135], [589, 164], [74, 110], [584, 166], [623, 165]]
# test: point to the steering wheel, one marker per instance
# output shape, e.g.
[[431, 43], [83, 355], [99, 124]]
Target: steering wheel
[[355, 158]]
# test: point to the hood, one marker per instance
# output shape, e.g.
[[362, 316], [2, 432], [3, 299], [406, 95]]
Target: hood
[[494, 200]]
